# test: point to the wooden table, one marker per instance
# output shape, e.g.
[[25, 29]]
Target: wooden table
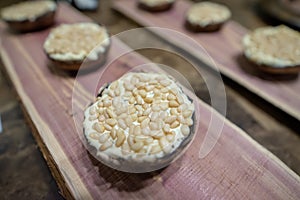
[[270, 127]]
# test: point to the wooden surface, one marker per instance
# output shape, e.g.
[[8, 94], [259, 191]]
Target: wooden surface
[[20, 158], [225, 49], [236, 168]]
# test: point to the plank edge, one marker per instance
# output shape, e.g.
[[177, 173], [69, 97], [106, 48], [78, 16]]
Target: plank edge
[[25, 105]]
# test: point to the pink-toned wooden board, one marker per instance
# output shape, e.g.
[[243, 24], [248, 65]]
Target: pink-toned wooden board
[[224, 47], [236, 168]]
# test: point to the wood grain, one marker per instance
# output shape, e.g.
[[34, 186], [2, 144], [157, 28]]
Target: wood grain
[[225, 49], [236, 168]]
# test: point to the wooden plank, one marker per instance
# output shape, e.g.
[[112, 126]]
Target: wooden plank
[[224, 47], [237, 167]]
